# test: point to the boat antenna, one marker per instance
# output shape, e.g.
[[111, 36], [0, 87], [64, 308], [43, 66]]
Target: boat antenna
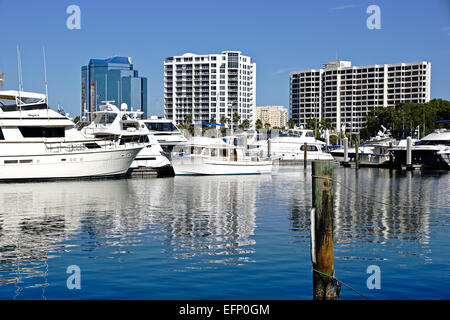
[[45, 79], [19, 69]]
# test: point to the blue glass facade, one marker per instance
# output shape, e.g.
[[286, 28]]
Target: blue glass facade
[[112, 79]]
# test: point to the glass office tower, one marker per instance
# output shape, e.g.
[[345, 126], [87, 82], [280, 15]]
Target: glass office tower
[[112, 79]]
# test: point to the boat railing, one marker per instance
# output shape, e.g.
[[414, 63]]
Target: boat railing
[[83, 145]]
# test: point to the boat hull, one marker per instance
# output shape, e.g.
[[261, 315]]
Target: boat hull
[[71, 165], [199, 166]]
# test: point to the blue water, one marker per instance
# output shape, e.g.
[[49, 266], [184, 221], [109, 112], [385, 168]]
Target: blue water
[[236, 237]]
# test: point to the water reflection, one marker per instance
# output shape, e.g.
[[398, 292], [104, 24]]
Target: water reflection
[[205, 216], [376, 206], [205, 221]]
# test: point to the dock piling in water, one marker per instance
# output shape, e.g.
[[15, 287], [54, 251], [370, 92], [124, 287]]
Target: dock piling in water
[[322, 230], [345, 151], [408, 153], [357, 152], [305, 155]]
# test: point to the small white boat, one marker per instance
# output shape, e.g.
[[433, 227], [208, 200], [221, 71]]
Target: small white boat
[[213, 156], [127, 127], [36, 142]]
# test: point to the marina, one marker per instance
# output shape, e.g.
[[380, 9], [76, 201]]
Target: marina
[[226, 154], [223, 237]]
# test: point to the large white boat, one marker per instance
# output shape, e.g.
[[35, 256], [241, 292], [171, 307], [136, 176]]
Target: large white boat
[[36, 142], [290, 146], [126, 126], [165, 131], [213, 156], [430, 152]]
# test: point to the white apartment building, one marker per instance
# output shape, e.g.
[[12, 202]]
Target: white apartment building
[[346, 94], [276, 116], [210, 85]]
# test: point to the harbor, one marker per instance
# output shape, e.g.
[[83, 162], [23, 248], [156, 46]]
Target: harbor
[[225, 160], [210, 238]]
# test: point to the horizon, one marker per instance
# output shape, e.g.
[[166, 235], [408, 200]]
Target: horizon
[[281, 38]]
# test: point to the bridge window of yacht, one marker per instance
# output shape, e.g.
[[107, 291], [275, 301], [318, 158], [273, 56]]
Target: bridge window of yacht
[[309, 148], [2, 137], [161, 126], [213, 152], [309, 134], [42, 132], [107, 118]]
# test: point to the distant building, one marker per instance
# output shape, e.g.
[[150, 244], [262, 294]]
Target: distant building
[[112, 79], [276, 116], [210, 86], [345, 94]]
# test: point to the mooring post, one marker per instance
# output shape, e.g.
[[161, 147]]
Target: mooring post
[[322, 230], [305, 155], [408, 153], [345, 151], [269, 147]]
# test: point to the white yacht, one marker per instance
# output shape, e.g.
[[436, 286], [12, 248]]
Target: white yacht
[[165, 131], [36, 142], [373, 152], [430, 152], [213, 156], [127, 127], [290, 145]]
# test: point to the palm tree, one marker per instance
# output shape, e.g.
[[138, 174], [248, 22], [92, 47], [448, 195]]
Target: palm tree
[[291, 123], [188, 119], [267, 126], [236, 117], [258, 124], [245, 124]]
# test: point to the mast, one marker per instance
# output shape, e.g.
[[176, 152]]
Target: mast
[[45, 80], [19, 69]]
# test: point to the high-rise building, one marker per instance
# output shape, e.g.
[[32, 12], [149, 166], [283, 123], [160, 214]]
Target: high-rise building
[[276, 116], [210, 86], [112, 79], [345, 94]]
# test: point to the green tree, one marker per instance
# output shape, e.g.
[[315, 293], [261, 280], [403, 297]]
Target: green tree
[[236, 118], [245, 124], [258, 124], [267, 126], [291, 123]]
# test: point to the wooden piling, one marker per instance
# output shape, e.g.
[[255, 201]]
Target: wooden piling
[[269, 147], [322, 230], [345, 151], [305, 155]]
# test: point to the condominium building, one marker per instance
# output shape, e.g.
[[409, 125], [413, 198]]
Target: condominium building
[[276, 116], [210, 86], [112, 79], [345, 94]]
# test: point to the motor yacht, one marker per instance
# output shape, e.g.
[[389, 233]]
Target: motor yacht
[[165, 132], [126, 126], [290, 146], [430, 152], [213, 156], [36, 142]]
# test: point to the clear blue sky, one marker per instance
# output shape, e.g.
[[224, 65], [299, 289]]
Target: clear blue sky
[[281, 36]]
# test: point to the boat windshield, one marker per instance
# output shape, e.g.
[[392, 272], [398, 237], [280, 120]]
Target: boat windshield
[[29, 104], [433, 142], [161, 126]]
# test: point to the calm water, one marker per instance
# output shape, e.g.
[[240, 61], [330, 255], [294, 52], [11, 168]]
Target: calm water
[[237, 237]]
